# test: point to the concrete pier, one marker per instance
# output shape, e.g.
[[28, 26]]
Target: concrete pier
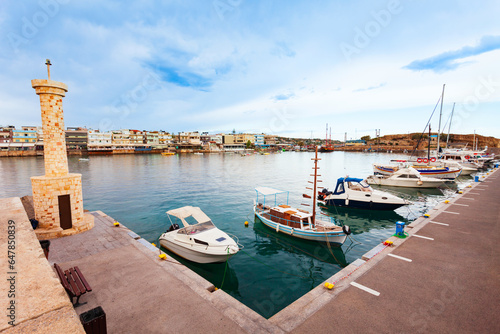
[[445, 277]]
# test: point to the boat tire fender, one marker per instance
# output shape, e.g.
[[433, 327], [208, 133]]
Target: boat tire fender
[[346, 229]]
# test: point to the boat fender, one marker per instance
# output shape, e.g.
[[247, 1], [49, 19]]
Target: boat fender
[[292, 231], [425, 161], [467, 157], [419, 182], [347, 201], [277, 227], [346, 229]]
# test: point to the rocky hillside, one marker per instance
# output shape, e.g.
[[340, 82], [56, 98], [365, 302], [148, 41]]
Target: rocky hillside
[[455, 139]]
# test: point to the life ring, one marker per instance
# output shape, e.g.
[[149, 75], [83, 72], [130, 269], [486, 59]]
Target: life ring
[[433, 159], [419, 160], [467, 157], [425, 161]]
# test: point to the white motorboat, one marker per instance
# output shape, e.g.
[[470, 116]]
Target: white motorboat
[[356, 193], [405, 177], [198, 240]]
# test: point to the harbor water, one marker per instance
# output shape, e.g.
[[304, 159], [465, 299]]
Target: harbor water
[[272, 270]]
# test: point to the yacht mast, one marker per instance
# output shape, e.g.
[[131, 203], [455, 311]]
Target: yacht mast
[[449, 126], [439, 127]]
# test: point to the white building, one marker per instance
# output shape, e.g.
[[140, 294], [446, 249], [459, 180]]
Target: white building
[[99, 140]]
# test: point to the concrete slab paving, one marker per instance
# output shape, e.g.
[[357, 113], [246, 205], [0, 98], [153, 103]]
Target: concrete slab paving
[[141, 293]]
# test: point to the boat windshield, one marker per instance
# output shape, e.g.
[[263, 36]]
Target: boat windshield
[[364, 184], [198, 228]]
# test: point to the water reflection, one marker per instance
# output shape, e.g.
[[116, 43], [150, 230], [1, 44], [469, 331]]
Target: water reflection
[[361, 221], [270, 242]]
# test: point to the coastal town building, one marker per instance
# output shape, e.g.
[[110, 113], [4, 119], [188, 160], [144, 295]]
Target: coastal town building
[[164, 138], [120, 137], [137, 137], [269, 140], [227, 139], [244, 138], [152, 137], [27, 134], [76, 138], [5, 135], [259, 140]]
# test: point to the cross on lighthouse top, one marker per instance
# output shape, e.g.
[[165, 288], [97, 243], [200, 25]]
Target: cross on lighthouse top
[[48, 67]]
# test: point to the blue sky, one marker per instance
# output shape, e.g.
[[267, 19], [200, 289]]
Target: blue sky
[[281, 67]]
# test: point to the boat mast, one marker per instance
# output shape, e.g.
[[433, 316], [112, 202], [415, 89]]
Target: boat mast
[[474, 142], [439, 127], [313, 220], [429, 145], [449, 126]]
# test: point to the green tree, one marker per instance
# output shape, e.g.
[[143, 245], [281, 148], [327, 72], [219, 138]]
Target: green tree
[[249, 144]]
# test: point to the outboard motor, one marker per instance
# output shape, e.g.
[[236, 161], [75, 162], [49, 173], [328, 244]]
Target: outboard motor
[[346, 229], [173, 227]]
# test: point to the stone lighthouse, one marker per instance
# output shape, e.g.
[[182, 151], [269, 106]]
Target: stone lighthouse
[[57, 195]]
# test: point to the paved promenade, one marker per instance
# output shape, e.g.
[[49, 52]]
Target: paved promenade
[[451, 285]]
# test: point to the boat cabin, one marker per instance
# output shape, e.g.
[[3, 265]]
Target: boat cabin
[[351, 183]]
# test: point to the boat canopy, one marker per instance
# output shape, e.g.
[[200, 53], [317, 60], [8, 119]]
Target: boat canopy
[[339, 189], [266, 191], [189, 211]]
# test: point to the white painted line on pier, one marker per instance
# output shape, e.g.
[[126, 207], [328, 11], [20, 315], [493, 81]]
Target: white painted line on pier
[[473, 193], [421, 236], [459, 204], [455, 213], [472, 199], [362, 287], [400, 257], [478, 189], [440, 223]]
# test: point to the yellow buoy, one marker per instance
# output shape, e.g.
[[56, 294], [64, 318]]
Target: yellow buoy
[[427, 215], [246, 223], [116, 224], [460, 192], [153, 244], [469, 186], [447, 201], [163, 256], [329, 286]]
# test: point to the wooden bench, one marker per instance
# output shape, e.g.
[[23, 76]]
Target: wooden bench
[[73, 282]]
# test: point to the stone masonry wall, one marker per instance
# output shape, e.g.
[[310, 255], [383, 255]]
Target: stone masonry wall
[[55, 157], [46, 190]]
